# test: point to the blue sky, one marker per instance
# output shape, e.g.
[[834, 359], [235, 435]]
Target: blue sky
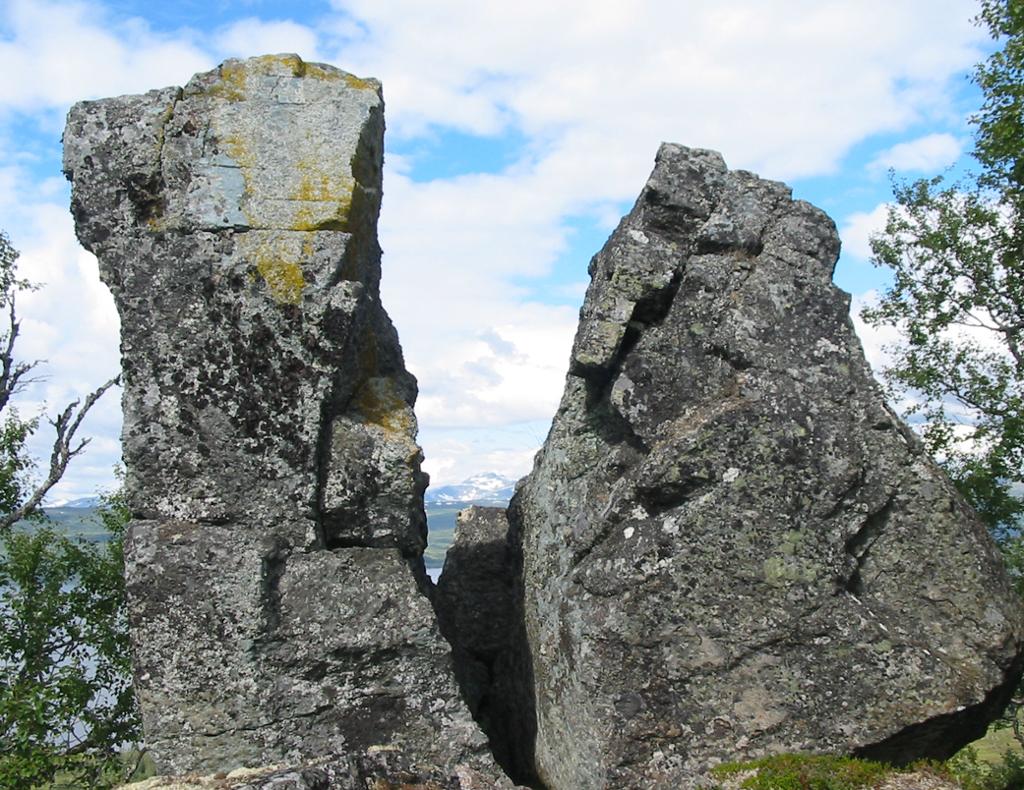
[[518, 134]]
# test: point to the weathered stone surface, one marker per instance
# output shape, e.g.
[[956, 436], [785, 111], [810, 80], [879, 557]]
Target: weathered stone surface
[[372, 770], [731, 547], [274, 565]]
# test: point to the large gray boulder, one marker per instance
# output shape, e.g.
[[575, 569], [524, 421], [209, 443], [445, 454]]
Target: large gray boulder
[[731, 546], [274, 566]]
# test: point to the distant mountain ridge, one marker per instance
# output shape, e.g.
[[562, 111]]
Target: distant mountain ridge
[[486, 488], [84, 502]]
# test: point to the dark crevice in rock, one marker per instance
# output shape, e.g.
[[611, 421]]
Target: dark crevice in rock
[[606, 420], [649, 311], [653, 308], [668, 495], [424, 584], [847, 496], [478, 600], [322, 463], [146, 192], [272, 568], [858, 546], [733, 358], [710, 246]]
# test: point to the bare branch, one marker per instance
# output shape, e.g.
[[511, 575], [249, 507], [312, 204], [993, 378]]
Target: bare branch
[[64, 449], [11, 372]]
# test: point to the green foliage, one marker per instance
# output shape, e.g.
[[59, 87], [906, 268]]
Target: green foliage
[[67, 708], [66, 702], [999, 138], [958, 296], [806, 772], [972, 773], [956, 252], [15, 465]]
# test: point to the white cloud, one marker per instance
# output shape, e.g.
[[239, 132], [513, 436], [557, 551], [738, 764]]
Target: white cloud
[[460, 454], [782, 88], [253, 36], [925, 154], [70, 325], [59, 53], [858, 229], [880, 343], [877, 341]]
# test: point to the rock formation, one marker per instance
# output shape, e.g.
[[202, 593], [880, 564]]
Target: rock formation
[[731, 546], [274, 563]]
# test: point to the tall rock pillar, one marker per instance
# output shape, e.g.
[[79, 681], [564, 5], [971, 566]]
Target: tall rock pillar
[[274, 561]]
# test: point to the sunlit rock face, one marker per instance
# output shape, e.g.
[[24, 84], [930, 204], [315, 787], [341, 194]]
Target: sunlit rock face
[[274, 562], [730, 545]]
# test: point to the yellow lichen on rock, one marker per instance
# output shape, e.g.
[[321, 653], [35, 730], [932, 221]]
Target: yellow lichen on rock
[[360, 84], [323, 198], [266, 64], [284, 279], [276, 257], [232, 82], [239, 150], [379, 403]]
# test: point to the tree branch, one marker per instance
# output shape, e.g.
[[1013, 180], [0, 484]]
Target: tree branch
[[11, 372], [64, 449]]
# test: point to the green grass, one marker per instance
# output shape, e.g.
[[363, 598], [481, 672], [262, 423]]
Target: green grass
[[996, 743], [806, 772]]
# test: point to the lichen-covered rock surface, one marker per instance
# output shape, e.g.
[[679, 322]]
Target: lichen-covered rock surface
[[731, 546], [274, 563], [378, 769]]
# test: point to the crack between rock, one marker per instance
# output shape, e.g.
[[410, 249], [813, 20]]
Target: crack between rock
[[161, 135], [276, 722], [843, 501], [858, 546], [322, 463]]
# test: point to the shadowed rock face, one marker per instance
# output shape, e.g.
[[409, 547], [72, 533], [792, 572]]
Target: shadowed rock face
[[730, 545], [478, 613], [274, 564]]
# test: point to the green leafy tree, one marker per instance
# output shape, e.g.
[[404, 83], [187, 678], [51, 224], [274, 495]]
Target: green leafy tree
[[66, 703], [956, 252]]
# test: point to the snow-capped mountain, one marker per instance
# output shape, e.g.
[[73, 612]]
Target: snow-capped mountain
[[487, 488], [83, 502]]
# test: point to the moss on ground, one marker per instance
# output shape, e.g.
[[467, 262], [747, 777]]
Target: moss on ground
[[809, 772]]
